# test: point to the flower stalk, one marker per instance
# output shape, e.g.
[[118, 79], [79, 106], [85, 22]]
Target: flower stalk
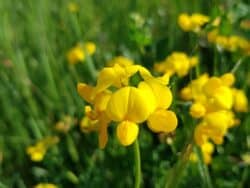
[[137, 164]]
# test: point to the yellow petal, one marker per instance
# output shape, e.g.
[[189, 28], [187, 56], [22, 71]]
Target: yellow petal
[[228, 79], [162, 93], [200, 135], [240, 101], [186, 93], [197, 110], [207, 147], [101, 101], [207, 157], [212, 85], [127, 132], [103, 134], [162, 121], [106, 78], [85, 91], [219, 120], [223, 97], [129, 103]]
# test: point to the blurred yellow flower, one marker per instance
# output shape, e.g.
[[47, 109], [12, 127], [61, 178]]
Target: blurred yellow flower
[[177, 62], [246, 158], [193, 22], [214, 99], [73, 7], [64, 125], [38, 151], [231, 43], [45, 185], [79, 52]]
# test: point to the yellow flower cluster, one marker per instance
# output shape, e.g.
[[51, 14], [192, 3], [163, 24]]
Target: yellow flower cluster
[[45, 185], [38, 151], [193, 22], [79, 52], [230, 43], [115, 99], [214, 100], [177, 62]]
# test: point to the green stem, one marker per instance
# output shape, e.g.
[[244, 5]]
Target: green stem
[[174, 175], [203, 169], [137, 164], [180, 166], [215, 70]]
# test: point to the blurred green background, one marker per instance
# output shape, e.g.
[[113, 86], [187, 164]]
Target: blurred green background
[[38, 89]]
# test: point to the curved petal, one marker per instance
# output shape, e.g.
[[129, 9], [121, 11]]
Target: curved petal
[[162, 121], [127, 132], [85, 91]]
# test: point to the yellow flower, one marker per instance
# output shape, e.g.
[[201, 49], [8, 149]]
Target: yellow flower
[[199, 20], [45, 185], [89, 48], [38, 151], [79, 52], [193, 22], [75, 55], [177, 62], [64, 125], [231, 43], [73, 7], [127, 105], [185, 22]]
